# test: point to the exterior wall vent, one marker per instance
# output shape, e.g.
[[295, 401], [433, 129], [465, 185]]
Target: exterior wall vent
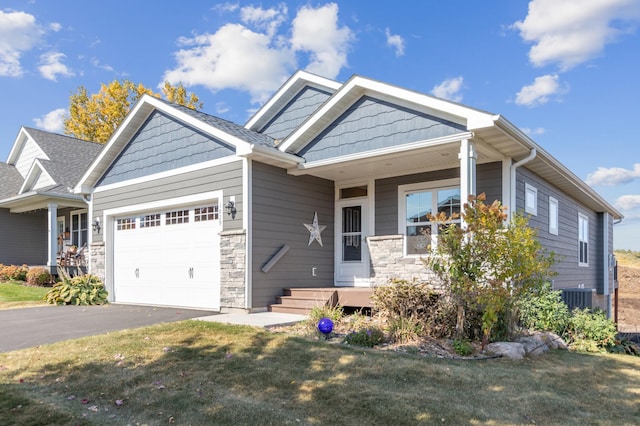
[[578, 297]]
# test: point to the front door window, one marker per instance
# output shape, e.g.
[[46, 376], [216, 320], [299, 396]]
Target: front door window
[[352, 234]]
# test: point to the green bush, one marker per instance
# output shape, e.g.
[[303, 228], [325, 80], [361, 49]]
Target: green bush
[[13, 272], [38, 276], [462, 347], [543, 310], [590, 330], [80, 290], [367, 337]]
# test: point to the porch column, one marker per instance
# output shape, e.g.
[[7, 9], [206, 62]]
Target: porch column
[[468, 158], [52, 233]]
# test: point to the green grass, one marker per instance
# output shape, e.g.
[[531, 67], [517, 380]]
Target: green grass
[[196, 372], [14, 294]]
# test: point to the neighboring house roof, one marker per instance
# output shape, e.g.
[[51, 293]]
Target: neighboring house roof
[[43, 166]]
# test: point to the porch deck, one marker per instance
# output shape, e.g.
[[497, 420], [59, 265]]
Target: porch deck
[[302, 300]]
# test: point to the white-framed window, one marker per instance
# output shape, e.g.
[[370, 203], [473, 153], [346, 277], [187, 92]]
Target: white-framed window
[[416, 202], [176, 217], [150, 220], [126, 224], [583, 240], [553, 216], [530, 199], [79, 228], [200, 214], [60, 225]]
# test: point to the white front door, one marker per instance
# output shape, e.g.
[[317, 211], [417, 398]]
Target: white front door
[[352, 254]]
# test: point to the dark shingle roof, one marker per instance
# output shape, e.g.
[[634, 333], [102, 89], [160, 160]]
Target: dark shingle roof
[[226, 126], [10, 180]]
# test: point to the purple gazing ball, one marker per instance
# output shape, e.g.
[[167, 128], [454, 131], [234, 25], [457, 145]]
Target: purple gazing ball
[[325, 325]]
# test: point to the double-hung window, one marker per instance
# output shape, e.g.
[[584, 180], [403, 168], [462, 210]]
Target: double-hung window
[[417, 204], [583, 240]]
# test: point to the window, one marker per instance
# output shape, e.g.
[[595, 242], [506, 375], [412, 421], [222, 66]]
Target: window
[[177, 216], [553, 216], [126, 224], [79, 228], [60, 225], [417, 204], [150, 220], [530, 199], [205, 213], [583, 240]]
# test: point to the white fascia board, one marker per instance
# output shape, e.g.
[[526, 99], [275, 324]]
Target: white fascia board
[[385, 151], [299, 78], [260, 151], [472, 118], [29, 180], [20, 141], [520, 137]]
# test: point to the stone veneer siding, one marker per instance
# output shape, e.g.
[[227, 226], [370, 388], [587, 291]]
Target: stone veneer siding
[[96, 260], [388, 262], [233, 253]]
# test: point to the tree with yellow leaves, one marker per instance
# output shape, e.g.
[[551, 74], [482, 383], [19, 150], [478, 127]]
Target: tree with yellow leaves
[[95, 117]]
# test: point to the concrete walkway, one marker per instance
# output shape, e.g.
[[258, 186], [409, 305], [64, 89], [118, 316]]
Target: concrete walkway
[[259, 319]]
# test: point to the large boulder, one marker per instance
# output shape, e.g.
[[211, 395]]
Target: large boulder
[[512, 350]]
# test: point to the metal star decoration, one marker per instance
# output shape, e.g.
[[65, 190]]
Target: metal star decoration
[[315, 230]]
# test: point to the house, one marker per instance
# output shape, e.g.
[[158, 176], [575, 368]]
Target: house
[[37, 203], [326, 186]]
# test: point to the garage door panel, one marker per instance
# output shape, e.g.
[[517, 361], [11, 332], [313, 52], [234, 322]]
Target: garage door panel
[[169, 264]]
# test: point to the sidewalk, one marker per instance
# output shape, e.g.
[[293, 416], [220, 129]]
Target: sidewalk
[[260, 319]]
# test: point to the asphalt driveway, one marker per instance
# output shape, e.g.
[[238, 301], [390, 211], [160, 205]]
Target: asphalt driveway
[[27, 327]]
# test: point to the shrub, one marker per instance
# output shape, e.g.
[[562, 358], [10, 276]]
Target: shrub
[[38, 276], [404, 299], [368, 337], [543, 310], [462, 347], [590, 330], [405, 330], [13, 272], [80, 290], [335, 314]]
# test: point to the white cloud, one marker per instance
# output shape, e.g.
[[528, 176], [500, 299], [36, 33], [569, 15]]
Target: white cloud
[[258, 55], [571, 32], [316, 31], [96, 63], [628, 202], [51, 66], [534, 132], [449, 89], [395, 41], [55, 27], [19, 33], [613, 176], [221, 108], [541, 91], [52, 121]]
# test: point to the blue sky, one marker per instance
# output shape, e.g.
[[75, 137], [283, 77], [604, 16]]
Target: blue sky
[[565, 71]]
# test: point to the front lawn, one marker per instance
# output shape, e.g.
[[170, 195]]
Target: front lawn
[[196, 372], [14, 294]]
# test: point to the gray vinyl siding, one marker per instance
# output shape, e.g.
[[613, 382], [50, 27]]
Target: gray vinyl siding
[[281, 205], [565, 244], [164, 143], [489, 181], [226, 177], [295, 112], [23, 238], [371, 124]]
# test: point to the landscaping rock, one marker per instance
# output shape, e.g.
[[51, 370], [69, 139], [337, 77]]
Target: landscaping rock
[[534, 344], [512, 350], [553, 340]]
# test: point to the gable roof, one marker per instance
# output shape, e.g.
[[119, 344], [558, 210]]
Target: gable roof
[[245, 141]]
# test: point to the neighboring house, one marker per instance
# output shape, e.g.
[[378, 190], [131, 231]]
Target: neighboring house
[[37, 202], [328, 184]]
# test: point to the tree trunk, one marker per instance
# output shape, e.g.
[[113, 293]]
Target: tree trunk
[[460, 322]]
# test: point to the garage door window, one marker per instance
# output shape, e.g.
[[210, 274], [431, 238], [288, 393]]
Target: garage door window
[[205, 213], [125, 224], [176, 217], [150, 220]]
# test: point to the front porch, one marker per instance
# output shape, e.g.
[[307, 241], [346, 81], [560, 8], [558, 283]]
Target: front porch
[[302, 300]]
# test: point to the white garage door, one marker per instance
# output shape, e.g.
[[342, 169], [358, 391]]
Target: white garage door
[[168, 258]]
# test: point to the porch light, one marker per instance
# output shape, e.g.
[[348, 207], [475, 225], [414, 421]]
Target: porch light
[[230, 207], [96, 225]]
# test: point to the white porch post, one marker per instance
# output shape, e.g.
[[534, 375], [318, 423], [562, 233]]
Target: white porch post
[[468, 158], [52, 233]]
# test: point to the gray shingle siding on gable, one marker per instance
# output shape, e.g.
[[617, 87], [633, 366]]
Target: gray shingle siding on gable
[[371, 124], [565, 244], [295, 112], [164, 143]]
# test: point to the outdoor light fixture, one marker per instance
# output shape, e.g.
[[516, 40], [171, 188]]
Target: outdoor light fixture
[[230, 207], [96, 225]]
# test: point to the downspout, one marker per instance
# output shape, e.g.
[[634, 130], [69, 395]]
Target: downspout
[[512, 179]]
